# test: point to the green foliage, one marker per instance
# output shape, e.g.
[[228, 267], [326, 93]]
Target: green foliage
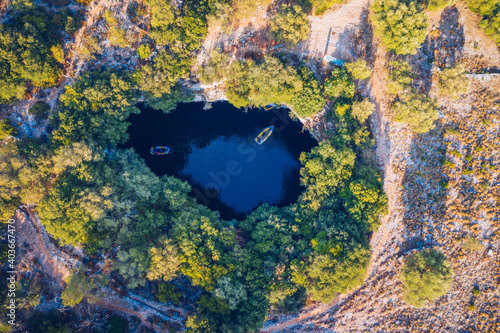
[[168, 101], [328, 275], [290, 25], [491, 26], [216, 69], [309, 100], [361, 110], [435, 5], [6, 129], [26, 40], [444, 185], [452, 81], [401, 26], [339, 85], [427, 275], [116, 35], [259, 84], [40, 110], [419, 111], [167, 292], [144, 51], [78, 287], [169, 26], [320, 6], [58, 53], [168, 67], [163, 21], [483, 7], [165, 262], [359, 70], [400, 77], [95, 99], [232, 291], [325, 169], [204, 243], [117, 324]]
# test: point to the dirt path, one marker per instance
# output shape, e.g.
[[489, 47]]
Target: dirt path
[[329, 31]]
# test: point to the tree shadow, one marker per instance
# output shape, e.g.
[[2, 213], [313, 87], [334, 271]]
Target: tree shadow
[[441, 48], [425, 190]]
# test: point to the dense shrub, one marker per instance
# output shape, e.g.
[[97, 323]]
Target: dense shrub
[[435, 5], [216, 68], [420, 111], [144, 51], [259, 84], [452, 81], [401, 26], [116, 34], [320, 6], [483, 7], [427, 275], [309, 100], [359, 70], [290, 25], [400, 77], [491, 26], [339, 85], [362, 110], [6, 129], [26, 40]]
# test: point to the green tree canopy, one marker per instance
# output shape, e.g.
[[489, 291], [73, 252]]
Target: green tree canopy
[[309, 100], [359, 70], [216, 68], [290, 25], [333, 274], [452, 81], [483, 7], [400, 77], [168, 67], [401, 26], [325, 168], [339, 84], [259, 84], [417, 110], [94, 100], [26, 40], [361, 110], [427, 275], [491, 26]]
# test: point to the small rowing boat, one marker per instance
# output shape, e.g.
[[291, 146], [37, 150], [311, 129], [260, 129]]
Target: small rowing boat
[[264, 135], [160, 150], [269, 107]]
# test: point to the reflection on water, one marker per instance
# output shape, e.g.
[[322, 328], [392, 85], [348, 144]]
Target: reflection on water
[[215, 151], [242, 174]]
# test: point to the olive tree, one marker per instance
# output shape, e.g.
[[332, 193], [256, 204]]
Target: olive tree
[[290, 25], [452, 81], [427, 275], [417, 110], [401, 26], [400, 77], [359, 70], [362, 110]]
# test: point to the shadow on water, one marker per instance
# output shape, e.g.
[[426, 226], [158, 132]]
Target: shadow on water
[[214, 150]]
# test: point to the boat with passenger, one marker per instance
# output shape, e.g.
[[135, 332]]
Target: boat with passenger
[[264, 135], [160, 150]]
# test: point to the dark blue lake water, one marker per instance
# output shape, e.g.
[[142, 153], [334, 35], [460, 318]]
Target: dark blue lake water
[[214, 150]]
